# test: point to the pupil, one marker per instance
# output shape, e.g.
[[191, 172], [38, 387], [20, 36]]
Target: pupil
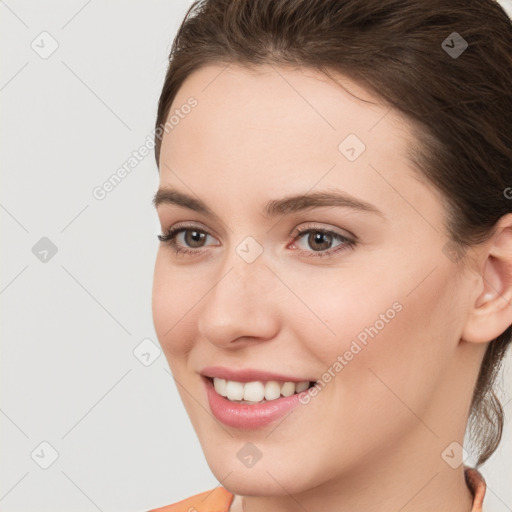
[[317, 238], [193, 237]]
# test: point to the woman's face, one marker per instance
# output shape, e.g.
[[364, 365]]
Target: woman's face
[[366, 301]]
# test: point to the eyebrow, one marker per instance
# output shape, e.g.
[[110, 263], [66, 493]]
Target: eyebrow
[[274, 207]]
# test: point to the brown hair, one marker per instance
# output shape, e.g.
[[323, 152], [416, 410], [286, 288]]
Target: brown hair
[[461, 105]]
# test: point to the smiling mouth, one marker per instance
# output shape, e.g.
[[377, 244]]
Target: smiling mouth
[[258, 391]]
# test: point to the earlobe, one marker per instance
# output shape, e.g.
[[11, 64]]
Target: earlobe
[[491, 313]]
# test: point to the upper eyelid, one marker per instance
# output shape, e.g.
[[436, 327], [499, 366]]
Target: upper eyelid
[[301, 230], [306, 212], [182, 227]]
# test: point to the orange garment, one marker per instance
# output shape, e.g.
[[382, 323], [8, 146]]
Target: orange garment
[[219, 499], [215, 500]]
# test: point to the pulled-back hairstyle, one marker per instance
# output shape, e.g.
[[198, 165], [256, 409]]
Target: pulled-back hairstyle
[[459, 105]]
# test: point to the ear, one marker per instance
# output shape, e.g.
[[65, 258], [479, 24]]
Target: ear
[[491, 312]]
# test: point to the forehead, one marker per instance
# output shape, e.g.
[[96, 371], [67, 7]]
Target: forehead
[[271, 129], [279, 109]]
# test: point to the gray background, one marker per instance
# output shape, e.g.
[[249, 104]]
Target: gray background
[[72, 320]]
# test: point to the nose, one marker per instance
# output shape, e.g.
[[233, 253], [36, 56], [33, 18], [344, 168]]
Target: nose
[[242, 305]]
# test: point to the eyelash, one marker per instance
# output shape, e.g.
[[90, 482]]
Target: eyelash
[[169, 238]]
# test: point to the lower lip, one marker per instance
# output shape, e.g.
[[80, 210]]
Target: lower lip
[[245, 416]]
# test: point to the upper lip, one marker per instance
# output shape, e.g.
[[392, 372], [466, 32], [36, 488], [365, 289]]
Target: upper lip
[[247, 374]]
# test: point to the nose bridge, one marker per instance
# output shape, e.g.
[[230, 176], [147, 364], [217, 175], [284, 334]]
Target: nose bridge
[[240, 302], [244, 273]]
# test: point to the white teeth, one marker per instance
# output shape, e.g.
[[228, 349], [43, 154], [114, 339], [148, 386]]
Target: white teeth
[[272, 390], [234, 390], [254, 391], [220, 386], [257, 391], [301, 386], [288, 388]]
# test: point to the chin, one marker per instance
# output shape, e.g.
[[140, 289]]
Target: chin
[[274, 475]]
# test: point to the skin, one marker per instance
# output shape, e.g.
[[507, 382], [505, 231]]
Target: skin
[[373, 437]]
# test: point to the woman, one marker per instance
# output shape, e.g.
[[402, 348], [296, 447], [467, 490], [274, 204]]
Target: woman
[[334, 282]]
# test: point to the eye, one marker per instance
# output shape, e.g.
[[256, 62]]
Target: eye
[[320, 240], [191, 239]]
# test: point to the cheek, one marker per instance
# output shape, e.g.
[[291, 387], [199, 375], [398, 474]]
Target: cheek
[[341, 310], [171, 301], [394, 336]]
